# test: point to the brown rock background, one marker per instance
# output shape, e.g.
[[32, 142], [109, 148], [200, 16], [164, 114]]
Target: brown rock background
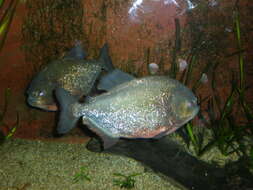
[[136, 38]]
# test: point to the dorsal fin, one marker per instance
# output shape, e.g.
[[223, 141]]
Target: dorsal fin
[[114, 78], [105, 58], [76, 52]]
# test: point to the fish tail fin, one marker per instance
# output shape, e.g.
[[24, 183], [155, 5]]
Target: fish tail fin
[[67, 120], [112, 79], [105, 58]]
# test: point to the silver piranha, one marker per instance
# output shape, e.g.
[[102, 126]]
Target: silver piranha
[[71, 73], [149, 107]]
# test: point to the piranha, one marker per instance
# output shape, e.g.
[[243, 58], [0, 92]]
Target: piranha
[[148, 107], [72, 73]]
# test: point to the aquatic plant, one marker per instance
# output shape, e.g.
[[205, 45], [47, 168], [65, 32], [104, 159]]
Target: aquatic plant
[[7, 94], [6, 20], [227, 133], [251, 157], [11, 129], [230, 135], [197, 139], [176, 49], [241, 89], [82, 175], [126, 181]]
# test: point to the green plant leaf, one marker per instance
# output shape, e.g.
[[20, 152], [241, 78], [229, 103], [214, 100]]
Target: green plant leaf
[[13, 129], [6, 21], [127, 181], [82, 175], [189, 70], [1, 3]]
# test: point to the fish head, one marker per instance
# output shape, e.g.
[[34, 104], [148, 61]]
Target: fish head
[[184, 105], [40, 93]]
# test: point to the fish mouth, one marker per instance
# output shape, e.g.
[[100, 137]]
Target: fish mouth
[[194, 113], [39, 104]]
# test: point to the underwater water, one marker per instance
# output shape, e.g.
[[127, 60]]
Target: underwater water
[[118, 127]]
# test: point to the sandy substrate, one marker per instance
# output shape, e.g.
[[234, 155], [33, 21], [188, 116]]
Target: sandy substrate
[[32, 165]]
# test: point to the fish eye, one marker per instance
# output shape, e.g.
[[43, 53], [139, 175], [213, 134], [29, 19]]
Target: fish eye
[[41, 93], [189, 104]]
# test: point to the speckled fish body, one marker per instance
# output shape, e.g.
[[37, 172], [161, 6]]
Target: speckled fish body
[[71, 73], [149, 107]]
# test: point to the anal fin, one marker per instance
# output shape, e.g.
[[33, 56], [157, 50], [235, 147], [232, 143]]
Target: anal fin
[[108, 140]]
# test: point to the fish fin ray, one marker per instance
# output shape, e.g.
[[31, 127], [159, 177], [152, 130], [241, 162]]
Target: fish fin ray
[[108, 140], [112, 79], [105, 58], [67, 120]]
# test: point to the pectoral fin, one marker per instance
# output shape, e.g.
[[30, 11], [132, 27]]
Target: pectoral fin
[[67, 120], [108, 140]]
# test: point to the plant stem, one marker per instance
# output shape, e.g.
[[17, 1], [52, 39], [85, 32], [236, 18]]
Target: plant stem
[[239, 44]]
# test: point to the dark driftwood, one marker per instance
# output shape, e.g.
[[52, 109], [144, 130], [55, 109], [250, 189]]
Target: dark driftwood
[[169, 158]]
